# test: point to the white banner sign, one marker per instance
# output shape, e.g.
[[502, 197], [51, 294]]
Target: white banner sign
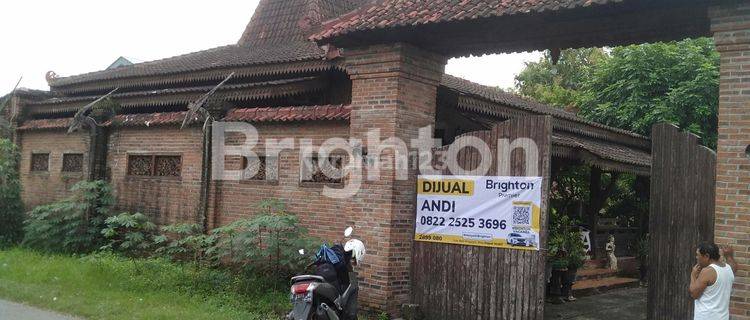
[[499, 212]]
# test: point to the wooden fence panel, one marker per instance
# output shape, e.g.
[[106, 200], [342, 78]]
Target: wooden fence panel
[[683, 177], [469, 282]]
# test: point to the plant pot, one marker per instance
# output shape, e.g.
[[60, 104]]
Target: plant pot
[[643, 270]]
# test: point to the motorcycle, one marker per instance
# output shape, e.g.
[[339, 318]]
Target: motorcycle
[[331, 293]]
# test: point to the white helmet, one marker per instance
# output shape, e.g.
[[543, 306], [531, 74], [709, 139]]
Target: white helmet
[[357, 248]]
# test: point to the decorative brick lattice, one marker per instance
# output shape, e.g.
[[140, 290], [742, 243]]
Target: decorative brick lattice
[[140, 165], [154, 165], [40, 162], [323, 172], [257, 166], [168, 166], [72, 162]]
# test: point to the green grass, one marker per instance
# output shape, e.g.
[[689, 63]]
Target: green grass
[[110, 287]]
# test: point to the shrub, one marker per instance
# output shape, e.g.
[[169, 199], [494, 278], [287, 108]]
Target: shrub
[[11, 208], [131, 235], [186, 242], [72, 225], [566, 247], [266, 244]]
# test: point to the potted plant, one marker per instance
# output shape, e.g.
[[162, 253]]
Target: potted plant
[[566, 255]]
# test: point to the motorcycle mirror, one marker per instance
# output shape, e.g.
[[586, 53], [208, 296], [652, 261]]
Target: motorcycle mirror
[[302, 252], [348, 231]]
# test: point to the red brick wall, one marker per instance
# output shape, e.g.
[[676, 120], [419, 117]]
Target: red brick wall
[[166, 200], [323, 217], [731, 27], [46, 187], [394, 89]]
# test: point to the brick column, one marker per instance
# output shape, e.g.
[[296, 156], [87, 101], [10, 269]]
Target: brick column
[[731, 27], [394, 89]]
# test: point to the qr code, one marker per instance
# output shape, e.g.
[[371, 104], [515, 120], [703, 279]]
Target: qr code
[[521, 215]]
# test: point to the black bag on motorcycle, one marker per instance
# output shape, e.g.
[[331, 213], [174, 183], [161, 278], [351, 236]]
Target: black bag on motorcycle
[[328, 272], [343, 268]]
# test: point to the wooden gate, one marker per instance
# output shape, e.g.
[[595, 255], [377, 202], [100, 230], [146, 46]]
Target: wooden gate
[[468, 282], [683, 177]]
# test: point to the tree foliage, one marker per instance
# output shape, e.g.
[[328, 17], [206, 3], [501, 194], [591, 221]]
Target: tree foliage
[[72, 225], [11, 207], [634, 87], [131, 235], [267, 243], [559, 85], [187, 242], [640, 85]]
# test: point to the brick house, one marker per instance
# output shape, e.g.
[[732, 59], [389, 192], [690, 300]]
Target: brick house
[[286, 86]]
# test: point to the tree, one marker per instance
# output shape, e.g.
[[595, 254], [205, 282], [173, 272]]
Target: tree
[[11, 208], [5, 126], [634, 87], [640, 85], [559, 85]]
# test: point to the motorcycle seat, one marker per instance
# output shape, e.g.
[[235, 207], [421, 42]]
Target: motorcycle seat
[[307, 278]]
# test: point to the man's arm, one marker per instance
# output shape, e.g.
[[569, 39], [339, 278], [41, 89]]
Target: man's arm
[[728, 253], [700, 279]]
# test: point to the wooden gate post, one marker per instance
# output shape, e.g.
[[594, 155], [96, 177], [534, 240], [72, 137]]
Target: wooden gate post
[[456, 281], [682, 202]]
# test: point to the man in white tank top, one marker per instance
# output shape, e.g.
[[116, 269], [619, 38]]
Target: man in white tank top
[[711, 282]]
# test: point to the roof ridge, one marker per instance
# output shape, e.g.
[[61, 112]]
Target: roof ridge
[[139, 64], [278, 21]]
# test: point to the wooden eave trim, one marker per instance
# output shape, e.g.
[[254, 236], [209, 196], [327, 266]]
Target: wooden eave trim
[[143, 99], [219, 73], [593, 130], [575, 153]]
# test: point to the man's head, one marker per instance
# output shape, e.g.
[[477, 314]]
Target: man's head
[[706, 253]]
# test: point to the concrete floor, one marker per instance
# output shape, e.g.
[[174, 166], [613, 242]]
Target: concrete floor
[[11, 310], [622, 304]]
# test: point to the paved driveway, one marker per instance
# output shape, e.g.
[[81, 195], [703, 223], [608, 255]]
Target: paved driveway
[[12, 310], [622, 304]]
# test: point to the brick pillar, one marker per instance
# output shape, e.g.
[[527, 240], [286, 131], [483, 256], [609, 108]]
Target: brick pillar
[[394, 89], [731, 27]]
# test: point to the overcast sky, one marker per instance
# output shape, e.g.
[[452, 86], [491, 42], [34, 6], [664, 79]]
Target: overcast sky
[[77, 36]]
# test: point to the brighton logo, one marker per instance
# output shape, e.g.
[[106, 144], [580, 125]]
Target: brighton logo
[[342, 165]]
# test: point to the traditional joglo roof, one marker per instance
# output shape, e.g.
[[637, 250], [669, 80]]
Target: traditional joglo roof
[[275, 58], [277, 33]]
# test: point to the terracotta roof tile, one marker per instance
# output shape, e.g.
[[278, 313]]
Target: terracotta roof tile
[[221, 57], [43, 124], [277, 32], [394, 13], [284, 114], [264, 114]]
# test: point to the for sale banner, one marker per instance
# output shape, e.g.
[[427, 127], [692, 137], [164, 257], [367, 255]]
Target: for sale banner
[[502, 212]]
